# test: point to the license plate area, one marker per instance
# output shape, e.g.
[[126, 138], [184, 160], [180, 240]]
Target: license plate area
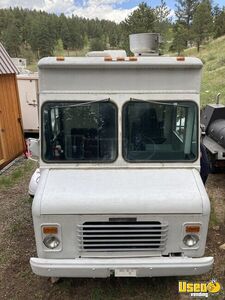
[[125, 272]]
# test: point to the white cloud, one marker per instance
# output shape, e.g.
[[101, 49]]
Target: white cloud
[[98, 9], [21, 3], [102, 9]]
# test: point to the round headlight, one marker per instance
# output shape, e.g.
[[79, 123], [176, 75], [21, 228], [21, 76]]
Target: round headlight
[[51, 242], [190, 240]]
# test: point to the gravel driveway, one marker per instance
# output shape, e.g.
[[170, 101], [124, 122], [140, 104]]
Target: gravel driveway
[[17, 245]]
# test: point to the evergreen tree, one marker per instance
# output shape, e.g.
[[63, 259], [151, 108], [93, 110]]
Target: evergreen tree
[[163, 22], [141, 20], [97, 45], [180, 38], [58, 49], [219, 21], [65, 33], [202, 26], [162, 12], [185, 10], [12, 39], [41, 40]]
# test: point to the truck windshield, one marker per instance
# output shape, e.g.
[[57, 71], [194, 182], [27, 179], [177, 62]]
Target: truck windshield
[[79, 131], [160, 131]]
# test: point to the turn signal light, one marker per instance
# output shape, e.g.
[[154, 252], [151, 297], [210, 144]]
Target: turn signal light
[[50, 229], [192, 229]]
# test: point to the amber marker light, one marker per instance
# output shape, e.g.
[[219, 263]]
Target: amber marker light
[[192, 228], [50, 229], [180, 58], [120, 59], [132, 58], [108, 58], [60, 58]]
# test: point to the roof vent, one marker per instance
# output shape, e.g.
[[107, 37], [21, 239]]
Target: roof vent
[[145, 44]]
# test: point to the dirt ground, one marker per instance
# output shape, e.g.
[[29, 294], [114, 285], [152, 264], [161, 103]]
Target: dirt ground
[[17, 246]]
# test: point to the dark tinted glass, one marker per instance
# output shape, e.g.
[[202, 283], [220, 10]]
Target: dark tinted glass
[[79, 131], [159, 131]]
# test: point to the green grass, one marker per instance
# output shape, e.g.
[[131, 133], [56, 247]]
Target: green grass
[[213, 78], [213, 218], [9, 180], [33, 66]]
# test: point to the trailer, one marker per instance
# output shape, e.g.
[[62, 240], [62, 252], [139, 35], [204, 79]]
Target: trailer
[[213, 125], [119, 191], [28, 93]]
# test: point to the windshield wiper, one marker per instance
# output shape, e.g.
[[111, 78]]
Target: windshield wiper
[[82, 103], [158, 102]]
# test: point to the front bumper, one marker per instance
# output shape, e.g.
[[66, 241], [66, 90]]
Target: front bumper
[[104, 267]]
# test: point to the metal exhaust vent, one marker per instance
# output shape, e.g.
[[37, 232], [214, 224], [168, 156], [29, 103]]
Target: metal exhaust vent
[[145, 44]]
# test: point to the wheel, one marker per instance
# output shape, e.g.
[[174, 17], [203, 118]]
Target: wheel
[[212, 162]]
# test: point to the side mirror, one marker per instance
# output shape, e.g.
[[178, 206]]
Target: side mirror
[[33, 147]]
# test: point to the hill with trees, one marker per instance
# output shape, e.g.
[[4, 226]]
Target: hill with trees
[[34, 34], [213, 77]]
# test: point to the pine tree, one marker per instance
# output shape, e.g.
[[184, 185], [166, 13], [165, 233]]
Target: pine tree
[[97, 45], [141, 20], [58, 49], [202, 26], [180, 38], [219, 21], [185, 10], [163, 22], [12, 39]]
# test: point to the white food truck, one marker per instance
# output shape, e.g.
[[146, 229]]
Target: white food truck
[[120, 192]]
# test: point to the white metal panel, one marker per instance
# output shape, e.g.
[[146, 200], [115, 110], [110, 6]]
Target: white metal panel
[[94, 74], [121, 191]]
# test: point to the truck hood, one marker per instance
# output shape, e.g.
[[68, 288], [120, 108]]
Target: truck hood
[[116, 191]]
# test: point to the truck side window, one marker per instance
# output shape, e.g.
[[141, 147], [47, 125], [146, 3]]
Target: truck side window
[[79, 131], [159, 131], [180, 121]]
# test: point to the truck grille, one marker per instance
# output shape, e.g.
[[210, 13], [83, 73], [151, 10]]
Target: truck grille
[[122, 236]]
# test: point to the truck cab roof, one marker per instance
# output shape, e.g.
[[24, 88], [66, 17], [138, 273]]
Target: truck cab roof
[[150, 61]]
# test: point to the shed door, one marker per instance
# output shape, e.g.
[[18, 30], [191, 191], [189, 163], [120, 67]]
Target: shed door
[[11, 137]]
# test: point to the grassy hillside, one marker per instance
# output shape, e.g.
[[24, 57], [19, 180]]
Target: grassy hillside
[[213, 58], [33, 66]]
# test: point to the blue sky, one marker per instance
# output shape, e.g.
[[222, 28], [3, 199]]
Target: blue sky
[[115, 10], [170, 3]]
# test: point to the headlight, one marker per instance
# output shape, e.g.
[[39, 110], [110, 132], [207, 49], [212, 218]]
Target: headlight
[[190, 240], [51, 242]]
